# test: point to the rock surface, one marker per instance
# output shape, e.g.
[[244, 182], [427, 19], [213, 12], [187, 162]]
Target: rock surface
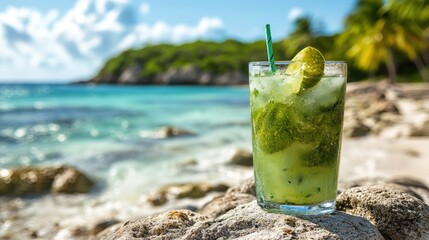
[[223, 204], [396, 214], [186, 75], [408, 185], [247, 186], [185, 190], [242, 157], [28, 180], [390, 112], [247, 221], [169, 131], [378, 211]]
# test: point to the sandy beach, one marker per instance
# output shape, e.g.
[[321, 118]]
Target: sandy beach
[[73, 216], [382, 139], [377, 157]]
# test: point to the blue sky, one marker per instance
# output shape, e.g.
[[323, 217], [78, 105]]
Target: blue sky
[[69, 40]]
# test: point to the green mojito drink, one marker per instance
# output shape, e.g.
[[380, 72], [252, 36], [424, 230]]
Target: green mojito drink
[[297, 117]]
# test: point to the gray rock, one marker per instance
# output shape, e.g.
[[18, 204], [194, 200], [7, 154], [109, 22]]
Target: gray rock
[[130, 75], [247, 186], [354, 129], [184, 75], [223, 204], [170, 225], [408, 182], [408, 185], [71, 181], [100, 226], [242, 157], [421, 129], [230, 78], [246, 221], [418, 188], [169, 131], [184, 190], [396, 214], [28, 180]]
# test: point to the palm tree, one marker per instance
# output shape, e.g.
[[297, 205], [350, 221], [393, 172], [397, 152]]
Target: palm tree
[[373, 35], [415, 15], [305, 34]]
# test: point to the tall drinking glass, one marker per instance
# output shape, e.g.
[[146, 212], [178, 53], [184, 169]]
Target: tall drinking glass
[[296, 135]]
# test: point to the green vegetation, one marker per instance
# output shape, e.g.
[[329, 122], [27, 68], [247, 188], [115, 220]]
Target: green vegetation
[[380, 38], [211, 57]]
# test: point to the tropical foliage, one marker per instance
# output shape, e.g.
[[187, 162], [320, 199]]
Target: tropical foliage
[[380, 38]]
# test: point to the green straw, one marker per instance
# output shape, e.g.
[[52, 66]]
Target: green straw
[[269, 47]]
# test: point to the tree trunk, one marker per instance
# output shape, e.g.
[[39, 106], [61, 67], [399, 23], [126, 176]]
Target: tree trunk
[[391, 68], [425, 50], [421, 67]]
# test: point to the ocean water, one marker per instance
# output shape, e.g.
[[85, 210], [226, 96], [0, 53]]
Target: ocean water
[[110, 132]]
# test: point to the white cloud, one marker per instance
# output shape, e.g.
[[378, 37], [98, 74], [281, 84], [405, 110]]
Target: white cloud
[[208, 28], [295, 13], [144, 8], [47, 44]]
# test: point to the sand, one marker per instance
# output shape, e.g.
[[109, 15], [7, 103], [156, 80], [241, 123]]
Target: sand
[[378, 157]]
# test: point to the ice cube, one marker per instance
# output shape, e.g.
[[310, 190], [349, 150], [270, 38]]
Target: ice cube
[[326, 93]]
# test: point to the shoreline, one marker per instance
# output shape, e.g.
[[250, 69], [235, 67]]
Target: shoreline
[[54, 216]]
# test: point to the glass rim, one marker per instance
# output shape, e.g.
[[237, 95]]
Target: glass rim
[[266, 63]]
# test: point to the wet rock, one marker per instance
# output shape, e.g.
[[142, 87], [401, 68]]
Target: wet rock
[[71, 181], [168, 131], [186, 190], [247, 221], [396, 214], [187, 163], [242, 157], [158, 198], [28, 180]]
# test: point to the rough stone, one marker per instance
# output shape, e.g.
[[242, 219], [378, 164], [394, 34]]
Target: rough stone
[[356, 129], [100, 226], [169, 225], [169, 131], [409, 185], [71, 181], [396, 214], [130, 75], [421, 129], [389, 112], [185, 190], [242, 157], [223, 204], [28, 180], [247, 186], [247, 221], [408, 182]]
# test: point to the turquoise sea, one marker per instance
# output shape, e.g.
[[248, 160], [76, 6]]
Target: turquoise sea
[[110, 132]]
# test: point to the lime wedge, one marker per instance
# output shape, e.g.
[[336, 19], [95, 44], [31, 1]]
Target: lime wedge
[[311, 63]]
